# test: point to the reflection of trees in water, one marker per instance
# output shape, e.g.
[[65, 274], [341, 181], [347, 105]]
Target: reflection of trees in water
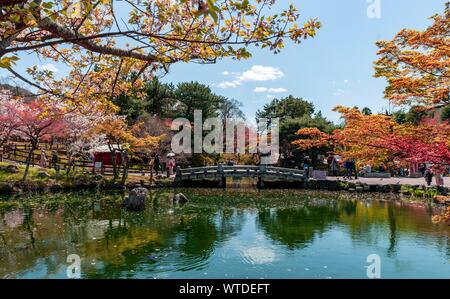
[[28, 223], [392, 229], [228, 223], [348, 207], [183, 239], [391, 220], [297, 227], [372, 219], [352, 209]]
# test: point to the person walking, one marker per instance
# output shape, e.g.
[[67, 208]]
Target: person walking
[[353, 169], [170, 166], [347, 167], [54, 160], [334, 167], [43, 159], [306, 163], [156, 164], [306, 166], [428, 176], [422, 169]]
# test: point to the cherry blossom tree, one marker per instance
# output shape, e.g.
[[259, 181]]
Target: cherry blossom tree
[[38, 122], [9, 105], [78, 140]]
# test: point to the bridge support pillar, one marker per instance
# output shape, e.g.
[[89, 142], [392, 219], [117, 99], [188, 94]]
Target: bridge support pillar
[[262, 171], [223, 179], [260, 184], [223, 182]]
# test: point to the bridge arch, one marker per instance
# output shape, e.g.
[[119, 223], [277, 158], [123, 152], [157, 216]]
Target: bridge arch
[[220, 173]]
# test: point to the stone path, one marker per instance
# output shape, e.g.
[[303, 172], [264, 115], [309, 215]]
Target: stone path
[[401, 181]]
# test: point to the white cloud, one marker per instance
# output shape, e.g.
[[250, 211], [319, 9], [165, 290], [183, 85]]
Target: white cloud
[[346, 81], [261, 73], [271, 90], [257, 73], [49, 67], [260, 89], [229, 84], [278, 90]]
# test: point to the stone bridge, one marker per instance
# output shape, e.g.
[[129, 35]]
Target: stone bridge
[[220, 173]]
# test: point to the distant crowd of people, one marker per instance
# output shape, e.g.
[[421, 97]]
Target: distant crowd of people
[[43, 160], [158, 166], [350, 170]]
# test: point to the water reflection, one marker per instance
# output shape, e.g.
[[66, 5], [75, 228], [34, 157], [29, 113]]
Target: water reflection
[[297, 227], [166, 240]]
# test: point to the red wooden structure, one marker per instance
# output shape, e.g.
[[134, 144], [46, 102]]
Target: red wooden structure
[[106, 158]]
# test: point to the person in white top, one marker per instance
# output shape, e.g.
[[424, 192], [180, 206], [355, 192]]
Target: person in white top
[[170, 165], [43, 159]]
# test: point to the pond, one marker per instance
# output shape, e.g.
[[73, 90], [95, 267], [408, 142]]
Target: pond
[[221, 234]]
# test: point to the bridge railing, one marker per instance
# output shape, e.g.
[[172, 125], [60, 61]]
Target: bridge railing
[[239, 171]]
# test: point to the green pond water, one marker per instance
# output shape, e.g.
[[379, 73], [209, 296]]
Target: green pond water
[[221, 234]]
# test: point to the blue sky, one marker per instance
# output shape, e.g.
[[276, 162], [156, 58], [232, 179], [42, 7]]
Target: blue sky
[[336, 67]]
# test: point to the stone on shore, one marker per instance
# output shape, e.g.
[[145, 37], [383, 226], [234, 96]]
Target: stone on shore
[[136, 200], [43, 175], [180, 198], [10, 168]]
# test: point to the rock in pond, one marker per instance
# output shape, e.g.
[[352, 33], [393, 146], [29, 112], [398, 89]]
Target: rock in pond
[[135, 201], [180, 198]]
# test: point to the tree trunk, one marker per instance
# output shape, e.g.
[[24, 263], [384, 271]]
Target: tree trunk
[[114, 162], [70, 165], [125, 165], [151, 173], [124, 174], [28, 162]]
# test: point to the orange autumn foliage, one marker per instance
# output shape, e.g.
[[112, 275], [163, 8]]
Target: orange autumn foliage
[[315, 139], [106, 56], [443, 218], [375, 139], [359, 139], [131, 138], [416, 64]]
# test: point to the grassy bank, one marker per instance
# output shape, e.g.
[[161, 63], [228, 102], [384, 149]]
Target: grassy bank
[[44, 179], [11, 179]]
